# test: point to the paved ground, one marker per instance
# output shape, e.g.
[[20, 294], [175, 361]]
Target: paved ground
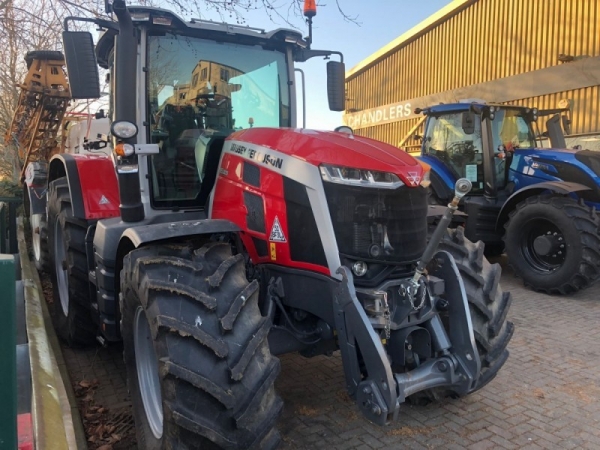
[[547, 395]]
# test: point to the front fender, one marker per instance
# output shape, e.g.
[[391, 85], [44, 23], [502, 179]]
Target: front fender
[[559, 187], [442, 180], [172, 230]]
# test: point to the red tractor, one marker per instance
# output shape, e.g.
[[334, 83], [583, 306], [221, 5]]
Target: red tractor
[[294, 241]]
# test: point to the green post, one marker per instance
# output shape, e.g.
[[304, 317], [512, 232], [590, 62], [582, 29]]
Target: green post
[[2, 227], [8, 355]]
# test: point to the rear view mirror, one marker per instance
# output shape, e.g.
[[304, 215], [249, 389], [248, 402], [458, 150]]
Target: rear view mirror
[[82, 68], [336, 92], [468, 122]]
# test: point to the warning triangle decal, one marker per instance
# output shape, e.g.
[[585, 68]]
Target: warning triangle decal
[[103, 201], [277, 232]]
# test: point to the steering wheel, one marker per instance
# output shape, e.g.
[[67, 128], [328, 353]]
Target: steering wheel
[[460, 152]]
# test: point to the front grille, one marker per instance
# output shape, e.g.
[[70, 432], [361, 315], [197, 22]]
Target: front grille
[[590, 159], [378, 224]]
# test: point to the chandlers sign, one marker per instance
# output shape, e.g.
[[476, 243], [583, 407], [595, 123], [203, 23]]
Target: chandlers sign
[[551, 80], [380, 115]]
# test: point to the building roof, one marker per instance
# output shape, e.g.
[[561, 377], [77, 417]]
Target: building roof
[[432, 21]]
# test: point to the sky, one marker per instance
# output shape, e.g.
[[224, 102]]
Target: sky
[[379, 22]]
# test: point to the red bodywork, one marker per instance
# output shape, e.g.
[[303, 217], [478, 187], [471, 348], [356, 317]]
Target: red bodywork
[[312, 148], [99, 187], [337, 149]]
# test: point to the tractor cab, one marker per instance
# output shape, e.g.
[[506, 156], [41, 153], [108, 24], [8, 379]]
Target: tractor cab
[[178, 89], [496, 147], [477, 142]]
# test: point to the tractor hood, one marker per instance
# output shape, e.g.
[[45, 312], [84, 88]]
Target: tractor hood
[[579, 166], [337, 149], [548, 153]]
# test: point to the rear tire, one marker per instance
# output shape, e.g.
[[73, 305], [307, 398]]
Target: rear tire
[[204, 376], [488, 306], [577, 261], [68, 267]]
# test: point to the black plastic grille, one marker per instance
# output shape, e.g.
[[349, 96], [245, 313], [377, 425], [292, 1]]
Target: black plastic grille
[[304, 240], [256, 213], [591, 159], [379, 224], [251, 174]]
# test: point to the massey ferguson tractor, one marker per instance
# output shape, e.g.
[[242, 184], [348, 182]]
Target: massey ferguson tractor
[[279, 240]]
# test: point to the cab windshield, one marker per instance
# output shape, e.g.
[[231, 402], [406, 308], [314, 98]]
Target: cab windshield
[[511, 130], [199, 92]]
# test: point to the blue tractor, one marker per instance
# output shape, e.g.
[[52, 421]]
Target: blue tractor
[[536, 204]]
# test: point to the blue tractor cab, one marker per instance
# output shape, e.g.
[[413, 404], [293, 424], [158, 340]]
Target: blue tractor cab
[[536, 204]]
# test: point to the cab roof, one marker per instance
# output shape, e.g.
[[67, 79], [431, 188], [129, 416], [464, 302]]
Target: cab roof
[[443, 108], [162, 20]]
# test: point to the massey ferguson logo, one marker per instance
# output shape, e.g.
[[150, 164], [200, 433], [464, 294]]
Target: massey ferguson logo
[[414, 178], [257, 155]]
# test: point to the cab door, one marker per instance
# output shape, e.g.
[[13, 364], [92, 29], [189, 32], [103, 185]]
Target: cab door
[[453, 146]]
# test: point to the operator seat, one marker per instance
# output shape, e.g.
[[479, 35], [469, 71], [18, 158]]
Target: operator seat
[[214, 148]]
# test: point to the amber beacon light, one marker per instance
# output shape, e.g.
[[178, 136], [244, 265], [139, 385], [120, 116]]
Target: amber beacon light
[[310, 8]]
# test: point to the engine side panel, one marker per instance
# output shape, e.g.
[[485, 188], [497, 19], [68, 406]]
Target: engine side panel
[[261, 191]]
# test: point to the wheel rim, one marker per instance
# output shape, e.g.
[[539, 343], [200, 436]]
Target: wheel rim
[[60, 262], [36, 242], [147, 371], [554, 254]]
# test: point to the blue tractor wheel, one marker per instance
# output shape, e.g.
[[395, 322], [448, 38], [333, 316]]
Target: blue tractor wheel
[[552, 243]]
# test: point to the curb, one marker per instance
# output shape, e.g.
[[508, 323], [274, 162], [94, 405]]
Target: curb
[[56, 420]]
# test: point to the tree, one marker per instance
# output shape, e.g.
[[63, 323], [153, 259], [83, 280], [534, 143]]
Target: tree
[[25, 26]]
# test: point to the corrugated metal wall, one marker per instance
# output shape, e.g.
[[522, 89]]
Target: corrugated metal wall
[[488, 39]]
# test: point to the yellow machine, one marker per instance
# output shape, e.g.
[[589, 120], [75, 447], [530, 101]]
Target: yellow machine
[[42, 105]]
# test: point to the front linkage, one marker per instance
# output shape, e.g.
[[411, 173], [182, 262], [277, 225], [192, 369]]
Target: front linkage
[[371, 380]]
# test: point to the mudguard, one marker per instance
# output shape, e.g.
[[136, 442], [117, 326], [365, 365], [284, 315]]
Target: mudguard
[[560, 187], [113, 239], [172, 230], [92, 184], [35, 186]]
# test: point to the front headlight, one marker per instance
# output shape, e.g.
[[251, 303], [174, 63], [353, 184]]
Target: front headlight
[[123, 129], [360, 177]]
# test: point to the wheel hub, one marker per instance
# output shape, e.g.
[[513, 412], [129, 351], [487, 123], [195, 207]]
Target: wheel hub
[[543, 246], [547, 244], [147, 372], [60, 267], [35, 236]]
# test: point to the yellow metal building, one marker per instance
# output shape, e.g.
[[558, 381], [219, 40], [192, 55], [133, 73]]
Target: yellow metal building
[[540, 53]]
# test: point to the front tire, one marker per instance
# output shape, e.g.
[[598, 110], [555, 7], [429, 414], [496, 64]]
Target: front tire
[[552, 243], [68, 267], [199, 367], [488, 306]]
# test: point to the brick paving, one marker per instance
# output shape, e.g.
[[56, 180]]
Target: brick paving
[[546, 397]]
